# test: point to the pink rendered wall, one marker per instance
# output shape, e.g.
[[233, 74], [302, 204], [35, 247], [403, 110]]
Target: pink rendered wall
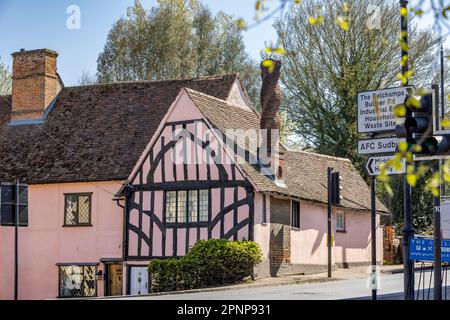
[[185, 110], [354, 245], [308, 245], [200, 166], [262, 231], [46, 242]]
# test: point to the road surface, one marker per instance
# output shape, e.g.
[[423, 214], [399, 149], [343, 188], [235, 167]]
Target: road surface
[[391, 288]]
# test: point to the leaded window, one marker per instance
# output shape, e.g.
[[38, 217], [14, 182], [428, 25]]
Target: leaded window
[[182, 206], [77, 281], [77, 209], [193, 206], [187, 206], [203, 207], [171, 206]]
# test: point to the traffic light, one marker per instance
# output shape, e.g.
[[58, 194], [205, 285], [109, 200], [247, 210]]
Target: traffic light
[[419, 117], [336, 188]]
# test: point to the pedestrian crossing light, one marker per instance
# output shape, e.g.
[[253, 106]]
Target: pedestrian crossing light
[[336, 186], [417, 128]]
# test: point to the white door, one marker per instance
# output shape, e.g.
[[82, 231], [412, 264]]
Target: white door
[[138, 280]]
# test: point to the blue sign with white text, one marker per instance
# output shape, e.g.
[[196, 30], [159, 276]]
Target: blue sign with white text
[[422, 249]]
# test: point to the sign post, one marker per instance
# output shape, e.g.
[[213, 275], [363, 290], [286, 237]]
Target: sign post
[[329, 217], [437, 239], [374, 238], [376, 115]]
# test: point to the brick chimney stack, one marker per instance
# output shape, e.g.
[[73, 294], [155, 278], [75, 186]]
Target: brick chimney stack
[[270, 154], [270, 96], [35, 83]]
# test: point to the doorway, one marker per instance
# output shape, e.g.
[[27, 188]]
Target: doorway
[[113, 279], [138, 280]]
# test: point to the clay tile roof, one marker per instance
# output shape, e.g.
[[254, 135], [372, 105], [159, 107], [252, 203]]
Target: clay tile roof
[[5, 110], [305, 172], [93, 133]]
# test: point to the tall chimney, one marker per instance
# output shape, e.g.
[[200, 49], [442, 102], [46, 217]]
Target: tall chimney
[[270, 124], [35, 83], [270, 96]]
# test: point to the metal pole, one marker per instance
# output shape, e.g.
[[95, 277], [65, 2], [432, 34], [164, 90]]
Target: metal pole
[[442, 81], [374, 236], [437, 240], [329, 175], [408, 230], [16, 245]]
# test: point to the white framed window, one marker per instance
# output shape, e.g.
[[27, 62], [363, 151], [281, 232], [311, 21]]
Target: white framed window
[[340, 221]]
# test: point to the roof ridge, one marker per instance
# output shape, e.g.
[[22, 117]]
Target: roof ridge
[[320, 155], [201, 78]]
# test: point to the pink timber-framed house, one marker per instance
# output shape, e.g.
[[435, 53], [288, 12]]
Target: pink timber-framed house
[[107, 192]]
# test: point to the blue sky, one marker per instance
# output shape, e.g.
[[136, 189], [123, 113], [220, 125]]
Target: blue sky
[[32, 24]]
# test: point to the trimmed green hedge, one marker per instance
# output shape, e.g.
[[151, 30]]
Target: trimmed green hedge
[[208, 263]]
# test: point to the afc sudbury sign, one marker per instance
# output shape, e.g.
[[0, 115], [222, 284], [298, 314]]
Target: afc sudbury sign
[[376, 109], [379, 145]]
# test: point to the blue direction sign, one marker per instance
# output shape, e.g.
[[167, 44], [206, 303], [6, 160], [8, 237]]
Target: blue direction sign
[[422, 249]]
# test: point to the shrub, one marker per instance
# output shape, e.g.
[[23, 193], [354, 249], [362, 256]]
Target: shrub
[[208, 263]]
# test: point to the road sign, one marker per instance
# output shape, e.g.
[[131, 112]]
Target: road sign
[[374, 163], [9, 199], [422, 249], [376, 109], [445, 219], [378, 145]]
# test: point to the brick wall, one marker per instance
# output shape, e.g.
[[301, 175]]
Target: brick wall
[[35, 83], [280, 231]]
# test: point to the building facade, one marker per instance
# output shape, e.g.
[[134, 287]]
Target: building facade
[[123, 173]]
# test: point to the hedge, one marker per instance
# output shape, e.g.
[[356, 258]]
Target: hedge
[[208, 263]]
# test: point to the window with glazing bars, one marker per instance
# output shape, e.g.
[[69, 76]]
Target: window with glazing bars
[[77, 209], [77, 281], [187, 206], [340, 221]]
